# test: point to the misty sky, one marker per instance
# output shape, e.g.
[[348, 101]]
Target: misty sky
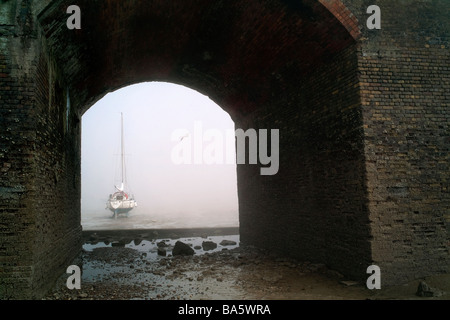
[[156, 114]]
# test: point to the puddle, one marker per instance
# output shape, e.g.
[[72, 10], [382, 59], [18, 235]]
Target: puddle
[[151, 247], [138, 266]]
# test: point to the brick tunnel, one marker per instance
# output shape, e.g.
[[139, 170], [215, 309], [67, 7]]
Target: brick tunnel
[[363, 117]]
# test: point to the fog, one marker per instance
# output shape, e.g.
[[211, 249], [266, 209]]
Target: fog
[[158, 119]]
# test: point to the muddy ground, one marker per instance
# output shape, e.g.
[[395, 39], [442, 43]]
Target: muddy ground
[[124, 265]]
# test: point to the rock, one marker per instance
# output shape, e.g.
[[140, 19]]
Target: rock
[[162, 252], [182, 249], [118, 244], [83, 295], [161, 244], [423, 290], [197, 247], [93, 237], [209, 245], [227, 243], [349, 283]]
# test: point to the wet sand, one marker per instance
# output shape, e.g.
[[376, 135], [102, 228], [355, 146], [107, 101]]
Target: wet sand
[[125, 264]]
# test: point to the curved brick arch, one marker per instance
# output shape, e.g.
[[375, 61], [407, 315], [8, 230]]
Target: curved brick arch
[[344, 15], [234, 48]]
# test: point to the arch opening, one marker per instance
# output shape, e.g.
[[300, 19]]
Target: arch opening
[[165, 127]]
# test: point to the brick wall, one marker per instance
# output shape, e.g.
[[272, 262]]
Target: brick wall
[[405, 93], [40, 230], [57, 183], [16, 144]]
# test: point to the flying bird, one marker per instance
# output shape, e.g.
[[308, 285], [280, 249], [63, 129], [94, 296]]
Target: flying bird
[[185, 136]]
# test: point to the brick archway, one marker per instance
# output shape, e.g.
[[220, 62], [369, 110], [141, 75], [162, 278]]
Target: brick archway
[[304, 67], [269, 64]]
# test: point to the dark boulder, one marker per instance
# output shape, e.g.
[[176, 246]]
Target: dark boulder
[[423, 290], [209, 245], [182, 249], [227, 243]]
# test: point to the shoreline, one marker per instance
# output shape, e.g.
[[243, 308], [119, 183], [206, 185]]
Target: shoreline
[[151, 234]]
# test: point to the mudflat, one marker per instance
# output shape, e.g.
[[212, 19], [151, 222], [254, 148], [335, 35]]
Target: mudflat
[[142, 265]]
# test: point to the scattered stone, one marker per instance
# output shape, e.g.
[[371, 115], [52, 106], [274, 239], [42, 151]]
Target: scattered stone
[[209, 245], [227, 243], [182, 249], [197, 247]]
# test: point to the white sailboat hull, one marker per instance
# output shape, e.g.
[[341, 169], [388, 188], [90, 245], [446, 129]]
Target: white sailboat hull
[[121, 205]]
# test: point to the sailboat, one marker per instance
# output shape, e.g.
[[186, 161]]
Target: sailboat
[[121, 201]]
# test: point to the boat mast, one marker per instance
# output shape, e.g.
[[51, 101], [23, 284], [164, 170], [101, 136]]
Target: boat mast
[[121, 145]]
